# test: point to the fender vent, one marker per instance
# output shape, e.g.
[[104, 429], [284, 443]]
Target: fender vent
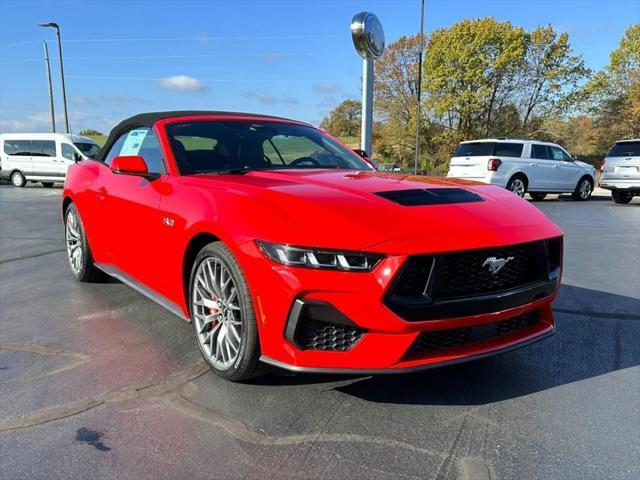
[[430, 196]]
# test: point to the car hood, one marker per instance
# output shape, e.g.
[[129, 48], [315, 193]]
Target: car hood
[[583, 165], [343, 209]]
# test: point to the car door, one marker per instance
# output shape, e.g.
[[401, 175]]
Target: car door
[[541, 166], [68, 157], [131, 207], [565, 173], [17, 156], [44, 156]]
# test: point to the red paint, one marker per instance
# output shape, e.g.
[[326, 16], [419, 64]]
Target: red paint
[[124, 218]]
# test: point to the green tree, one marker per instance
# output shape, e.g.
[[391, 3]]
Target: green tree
[[90, 131], [549, 75], [471, 70], [396, 74], [344, 120]]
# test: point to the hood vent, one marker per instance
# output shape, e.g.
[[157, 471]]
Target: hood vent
[[430, 196]]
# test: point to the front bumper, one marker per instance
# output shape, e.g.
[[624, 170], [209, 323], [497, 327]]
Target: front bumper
[[357, 299]]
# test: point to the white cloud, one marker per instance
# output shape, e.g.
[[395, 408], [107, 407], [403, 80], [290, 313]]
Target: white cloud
[[268, 99], [181, 83], [35, 122], [327, 88]]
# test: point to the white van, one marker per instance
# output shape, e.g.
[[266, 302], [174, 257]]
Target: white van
[[523, 166], [41, 157]]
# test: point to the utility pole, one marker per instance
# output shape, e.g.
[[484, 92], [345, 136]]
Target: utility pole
[[64, 92], [51, 110], [419, 88]]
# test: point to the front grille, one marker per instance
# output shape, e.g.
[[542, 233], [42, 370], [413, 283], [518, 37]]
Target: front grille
[[468, 273], [429, 342], [315, 335], [473, 282]]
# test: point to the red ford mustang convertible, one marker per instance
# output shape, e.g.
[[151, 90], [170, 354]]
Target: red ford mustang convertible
[[282, 246]]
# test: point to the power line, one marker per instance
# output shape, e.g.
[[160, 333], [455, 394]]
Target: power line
[[201, 38]]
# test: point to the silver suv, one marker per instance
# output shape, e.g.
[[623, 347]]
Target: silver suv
[[621, 170]]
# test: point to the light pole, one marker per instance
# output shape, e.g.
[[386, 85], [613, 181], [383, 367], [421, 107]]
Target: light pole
[[51, 110], [419, 88], [368, 38], [64, 92]]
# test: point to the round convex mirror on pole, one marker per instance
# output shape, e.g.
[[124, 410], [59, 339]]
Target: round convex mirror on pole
[[368, 38]]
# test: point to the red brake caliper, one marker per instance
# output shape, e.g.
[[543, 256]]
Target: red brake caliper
[[215, 311]]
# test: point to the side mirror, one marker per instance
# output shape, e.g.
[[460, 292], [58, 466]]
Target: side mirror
[[77, 157], [130, 165], [362, 153]]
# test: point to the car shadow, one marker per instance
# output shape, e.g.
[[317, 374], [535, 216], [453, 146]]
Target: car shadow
[[597, 333]]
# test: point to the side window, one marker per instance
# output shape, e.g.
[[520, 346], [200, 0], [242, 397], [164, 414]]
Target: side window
[[556, 153], [509, 149], [152, 153], [17, 148], [67, 151], [43, 148], [115, 149], [139, 141], [539, 151]]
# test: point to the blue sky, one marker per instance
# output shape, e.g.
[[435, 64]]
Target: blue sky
[[284, 57]]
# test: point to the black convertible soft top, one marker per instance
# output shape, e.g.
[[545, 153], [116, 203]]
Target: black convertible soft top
[[149, 118]]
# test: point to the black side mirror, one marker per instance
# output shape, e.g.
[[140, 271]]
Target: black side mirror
[[361, 152]]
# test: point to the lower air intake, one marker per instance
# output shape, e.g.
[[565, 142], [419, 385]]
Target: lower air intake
[[429, 342], [315, 335]]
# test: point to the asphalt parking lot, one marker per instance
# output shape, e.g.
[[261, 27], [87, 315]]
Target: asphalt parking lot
[[98, 382]]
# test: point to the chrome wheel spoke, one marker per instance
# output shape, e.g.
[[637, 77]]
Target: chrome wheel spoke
[[74, 242], [217, 313]]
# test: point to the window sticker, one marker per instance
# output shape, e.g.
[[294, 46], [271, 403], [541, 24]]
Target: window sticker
[[132, 143]]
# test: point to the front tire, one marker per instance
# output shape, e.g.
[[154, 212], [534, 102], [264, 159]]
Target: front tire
[[18, 180], [621, 197], [222, 314], [583, 190], [518, 184], [78, 252]]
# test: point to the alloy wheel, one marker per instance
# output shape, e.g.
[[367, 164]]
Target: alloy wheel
[[74, 242], [517, 187], [584, 191], [217, 313]]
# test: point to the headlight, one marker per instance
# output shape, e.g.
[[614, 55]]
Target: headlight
[[320, 258]]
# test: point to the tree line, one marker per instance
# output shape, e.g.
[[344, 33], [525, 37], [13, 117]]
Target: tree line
[[485, 78]]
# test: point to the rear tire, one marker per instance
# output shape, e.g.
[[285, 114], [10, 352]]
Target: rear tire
[[518, 184], [222, 315], [78, 252], [18, 180], [47, 184], [583, 190], [621, 197], [537, 196]]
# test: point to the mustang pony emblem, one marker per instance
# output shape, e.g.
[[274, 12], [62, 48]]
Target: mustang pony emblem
[[496, 264]]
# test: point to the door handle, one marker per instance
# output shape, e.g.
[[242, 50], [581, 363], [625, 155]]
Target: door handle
[[101, 193], [555, 166]]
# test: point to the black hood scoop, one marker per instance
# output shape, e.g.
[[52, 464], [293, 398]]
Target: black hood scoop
[[430, 196]]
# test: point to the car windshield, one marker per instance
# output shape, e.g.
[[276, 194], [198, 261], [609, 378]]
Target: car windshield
[[241, 146], [625, 149], [88, 149]]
